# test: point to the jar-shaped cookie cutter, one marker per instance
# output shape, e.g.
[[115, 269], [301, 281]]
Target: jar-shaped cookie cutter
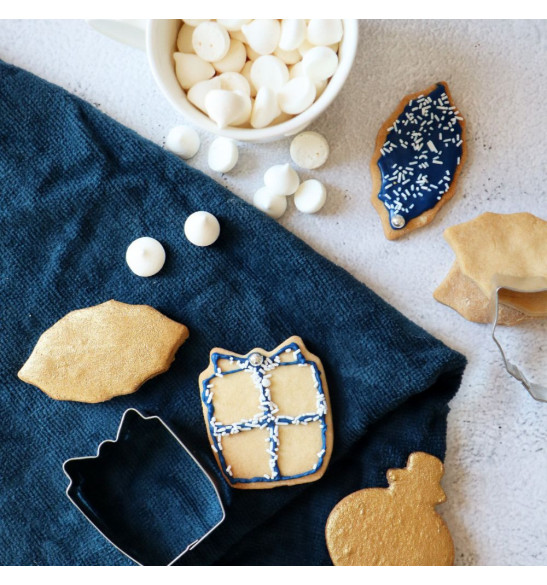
[[527, 285]]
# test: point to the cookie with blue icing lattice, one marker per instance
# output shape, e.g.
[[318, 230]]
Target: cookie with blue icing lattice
[[268, 415], [419, 154]]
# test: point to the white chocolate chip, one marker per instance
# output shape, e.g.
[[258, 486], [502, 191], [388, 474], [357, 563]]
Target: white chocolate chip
[[234, 82], [310, 196], [202, 228], [190, 69], [296, 95], [309, 150], [269, 71], [211, 41], [281, 180], [234, 24], [234, 59], [183, 141], [262, 35], [274, 205], [320, 63], [228, 107], [293, 32], [145, 256], [265, 109], [184, 39], [223, 155], [325, 31], [197, 93]]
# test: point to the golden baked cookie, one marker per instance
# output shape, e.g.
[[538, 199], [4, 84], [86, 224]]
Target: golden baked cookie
[[464, 296], [397, 525], [268, 415], [94, 354], [419, 154], [499, 248]]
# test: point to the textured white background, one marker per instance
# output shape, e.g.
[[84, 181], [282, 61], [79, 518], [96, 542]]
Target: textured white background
[[496, 466]]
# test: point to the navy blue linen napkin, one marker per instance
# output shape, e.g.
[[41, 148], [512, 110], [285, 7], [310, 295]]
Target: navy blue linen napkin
[[76, 188]]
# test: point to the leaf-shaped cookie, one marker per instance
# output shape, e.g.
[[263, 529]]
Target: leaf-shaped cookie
[[393, 526], [419, 154], [94, 354]]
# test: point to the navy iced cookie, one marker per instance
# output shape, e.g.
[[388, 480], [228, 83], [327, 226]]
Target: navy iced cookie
[[419, 153]]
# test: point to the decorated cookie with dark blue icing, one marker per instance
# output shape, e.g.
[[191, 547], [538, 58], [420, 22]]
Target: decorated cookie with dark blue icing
[[419, 154], [268, 415]]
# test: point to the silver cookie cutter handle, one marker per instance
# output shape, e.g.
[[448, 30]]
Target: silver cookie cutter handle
[[520, 285]]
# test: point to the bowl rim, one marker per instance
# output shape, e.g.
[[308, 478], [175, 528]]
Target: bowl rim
[[348, 50]]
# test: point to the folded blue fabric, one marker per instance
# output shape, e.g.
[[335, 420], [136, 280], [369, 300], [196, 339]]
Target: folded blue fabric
[[76, 189]]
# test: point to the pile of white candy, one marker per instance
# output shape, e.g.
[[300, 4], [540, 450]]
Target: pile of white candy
[[309, 150], [256, 73]]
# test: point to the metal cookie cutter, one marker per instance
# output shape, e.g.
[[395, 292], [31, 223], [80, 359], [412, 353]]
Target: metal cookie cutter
[[145, 492], [518, 285]]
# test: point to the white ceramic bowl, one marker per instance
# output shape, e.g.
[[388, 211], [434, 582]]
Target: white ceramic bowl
[[161, 37]]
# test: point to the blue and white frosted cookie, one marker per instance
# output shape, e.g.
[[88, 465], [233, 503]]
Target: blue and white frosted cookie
[[419, 154], [268, 415]]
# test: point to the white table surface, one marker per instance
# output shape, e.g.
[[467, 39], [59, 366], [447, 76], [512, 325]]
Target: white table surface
[[496, 465]]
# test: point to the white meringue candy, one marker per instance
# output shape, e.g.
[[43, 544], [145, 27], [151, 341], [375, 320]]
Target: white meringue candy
[[234, 82], [237, 35], [269, 71], [145, 256], [245, 113], [184, 39], [310, 196], [325, 31], [273, 205], [234, 59], [304, 47], [190, 69], [297, 70], [293, 32], [296, 95], [197, 93], [262, 35], [194, 22], [320, 87], [320, 63], [223, 155], [228, 107], [246, 72], [183, 141], [202, 228], [265, 109], [281, 180], [211, 41], [309, 150], [288, 57], [233, 24]]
